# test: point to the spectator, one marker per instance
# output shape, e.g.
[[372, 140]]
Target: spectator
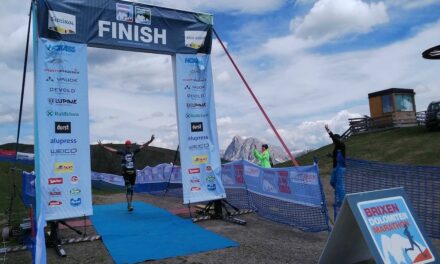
[[263, 157]]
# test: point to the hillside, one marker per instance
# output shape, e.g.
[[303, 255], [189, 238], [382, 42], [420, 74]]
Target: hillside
[[412, 145]]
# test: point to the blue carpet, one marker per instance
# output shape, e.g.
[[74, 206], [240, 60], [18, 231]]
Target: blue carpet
[[150, 233]]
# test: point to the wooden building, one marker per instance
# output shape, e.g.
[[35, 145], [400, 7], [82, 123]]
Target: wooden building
[[394, 107]]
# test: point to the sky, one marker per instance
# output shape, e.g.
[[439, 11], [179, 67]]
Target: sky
[[309, 62]]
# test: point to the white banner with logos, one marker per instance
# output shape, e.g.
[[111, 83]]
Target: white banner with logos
[[62, 147], [199, 150]]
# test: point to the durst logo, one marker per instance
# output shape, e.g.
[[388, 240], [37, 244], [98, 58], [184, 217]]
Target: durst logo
[[63, 128], [196, 126]]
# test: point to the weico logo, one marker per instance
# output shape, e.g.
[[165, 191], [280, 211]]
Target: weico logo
[[62, 23], [63, 128], [196, 126], [55, 203], [75, 191], [199, 146], [194, 170], [196, 105], [55, 181], [200, 159], [75, 202], [63, 167], [63, 151]]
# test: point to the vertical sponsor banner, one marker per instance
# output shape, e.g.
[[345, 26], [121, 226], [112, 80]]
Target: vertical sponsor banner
[[62, 130], [199, 151]]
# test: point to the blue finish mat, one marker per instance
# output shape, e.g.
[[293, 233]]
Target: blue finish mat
[[150, 233]]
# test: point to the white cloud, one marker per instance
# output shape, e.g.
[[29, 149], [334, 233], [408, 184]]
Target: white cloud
[[330, 19], [410, 4]]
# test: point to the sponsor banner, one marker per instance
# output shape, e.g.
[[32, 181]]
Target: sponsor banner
[[199, 150], [125, 25], [62, 147]]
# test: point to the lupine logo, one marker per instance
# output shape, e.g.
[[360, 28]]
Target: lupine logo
[[62, 23], [200, 159], [55, 181], [62, 101], [196, 105], [63, 128], [64, 167], [75, 202], [196, 126]]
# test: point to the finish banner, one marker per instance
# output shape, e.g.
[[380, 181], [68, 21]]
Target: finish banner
[[62, 145], [125, 25], [199, 150]]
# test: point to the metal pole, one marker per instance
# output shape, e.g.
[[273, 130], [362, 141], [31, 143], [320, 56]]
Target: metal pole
[[292, 158]]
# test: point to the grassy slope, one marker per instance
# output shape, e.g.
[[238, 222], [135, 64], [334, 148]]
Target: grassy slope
[[413, 145]]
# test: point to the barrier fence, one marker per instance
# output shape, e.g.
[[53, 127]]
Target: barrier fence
[[421, 183], [292, 196]]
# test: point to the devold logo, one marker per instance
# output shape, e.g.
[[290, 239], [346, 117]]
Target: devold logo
[[196, 126], [55, 181], [194, 170], [61, 22], [75, 202], [64, 151], [62, 90], [63, 167], [196, 96], [63, 128], [201, 159], [55, 203]]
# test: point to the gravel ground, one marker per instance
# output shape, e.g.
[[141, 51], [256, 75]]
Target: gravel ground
[[261, 241]]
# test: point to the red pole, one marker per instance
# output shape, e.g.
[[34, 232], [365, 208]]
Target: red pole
[[292, 158]]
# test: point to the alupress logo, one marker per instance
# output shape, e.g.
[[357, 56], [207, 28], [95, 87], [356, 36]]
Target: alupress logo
[[196, 105], [200, 159], [55, 181], [63, 151], [197, 138], [62, 101], [196, 115], [62, 23], [51, 113], [62, 141], [196, 126], [64, 167], [63, 128]]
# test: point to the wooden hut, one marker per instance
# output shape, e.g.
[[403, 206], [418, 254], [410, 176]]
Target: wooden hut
[[394, 107]]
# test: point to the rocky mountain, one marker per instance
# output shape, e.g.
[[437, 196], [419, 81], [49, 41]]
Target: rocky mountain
[[241, 148]]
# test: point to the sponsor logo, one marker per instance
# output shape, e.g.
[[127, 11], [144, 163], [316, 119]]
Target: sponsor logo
[[75, 202], [62, 114], [196, 126], [210, 178], [195, 180], [124, 12], [196, 96], [194, 170], [195, 80], [143, 15], [63, 167], [55, 203], [195, 39], [49, 79], [55, 192], [56, 61], [62, 101], [55, 181], [198, 87], [196, 105], [63, 151], [200, 159], [75, 191], [60, 48], [197, 138], [211, 186], [63, 128], [199, 146], [59, 90], [196, 115], [208, 168], [187, 87], [62, 141], [195, 189], [74, 179], [192, 60], [74, 71], [62, 23]]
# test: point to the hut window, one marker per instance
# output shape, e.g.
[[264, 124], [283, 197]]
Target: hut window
[[387, 104], [404, 103]]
